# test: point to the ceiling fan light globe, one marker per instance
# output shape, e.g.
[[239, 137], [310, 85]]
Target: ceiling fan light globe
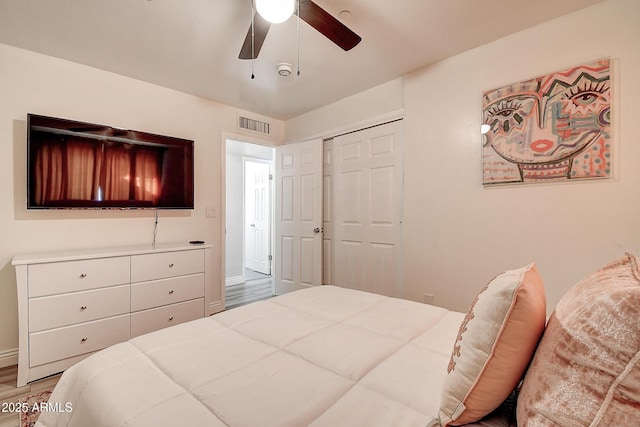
[[275, 11]]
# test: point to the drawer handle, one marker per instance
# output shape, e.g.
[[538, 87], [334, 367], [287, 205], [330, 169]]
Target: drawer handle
[[82, 308], [83, 275], [170, 318], [171, 292], [171, 265], [84, 339]]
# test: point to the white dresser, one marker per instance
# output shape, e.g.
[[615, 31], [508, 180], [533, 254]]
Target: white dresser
[[71, 304]]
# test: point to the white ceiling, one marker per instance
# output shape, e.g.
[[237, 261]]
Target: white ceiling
[[192, 45]]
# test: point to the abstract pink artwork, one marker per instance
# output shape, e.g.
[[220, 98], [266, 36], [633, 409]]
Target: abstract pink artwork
[[551, 128]]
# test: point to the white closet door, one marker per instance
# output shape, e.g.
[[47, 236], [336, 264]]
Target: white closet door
[[327, 214], [367, 231], [298, 212]]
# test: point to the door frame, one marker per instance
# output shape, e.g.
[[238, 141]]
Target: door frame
[[244, 139], [324, 134]]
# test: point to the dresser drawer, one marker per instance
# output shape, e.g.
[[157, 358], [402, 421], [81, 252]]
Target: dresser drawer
[[147, 321], [77, 307], [71, 276], [58, 344], [166, 264], [156, 293]]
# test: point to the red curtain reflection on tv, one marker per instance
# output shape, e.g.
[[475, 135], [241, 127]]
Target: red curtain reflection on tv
[[80, 170]]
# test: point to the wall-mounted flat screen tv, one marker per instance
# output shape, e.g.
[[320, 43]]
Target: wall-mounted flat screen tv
[[76, 165]]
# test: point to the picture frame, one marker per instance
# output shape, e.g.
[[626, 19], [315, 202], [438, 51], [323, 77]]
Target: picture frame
[[554, 127]]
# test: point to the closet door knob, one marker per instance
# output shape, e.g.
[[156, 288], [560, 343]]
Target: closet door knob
[[84, 339], [171, 292], [171, 265], [83, 275], [84, 307], [170, 318]]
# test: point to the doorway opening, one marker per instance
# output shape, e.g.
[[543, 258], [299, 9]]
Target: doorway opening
[[249, 223]]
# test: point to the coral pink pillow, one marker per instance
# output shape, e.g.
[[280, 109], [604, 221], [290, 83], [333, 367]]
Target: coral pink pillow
[[494, 346], [586, 371]]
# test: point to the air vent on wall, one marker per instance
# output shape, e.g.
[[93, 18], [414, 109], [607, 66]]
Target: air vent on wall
[[253, 125]]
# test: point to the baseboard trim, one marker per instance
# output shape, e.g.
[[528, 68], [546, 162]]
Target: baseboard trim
[[235, 280], [8, 358], [215, 307]]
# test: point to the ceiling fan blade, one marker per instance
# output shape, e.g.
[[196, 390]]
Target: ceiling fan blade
[[260, 30], [327, 25]]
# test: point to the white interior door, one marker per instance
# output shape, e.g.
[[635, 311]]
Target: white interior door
[[367, 228], [298, 216], [257, 220]]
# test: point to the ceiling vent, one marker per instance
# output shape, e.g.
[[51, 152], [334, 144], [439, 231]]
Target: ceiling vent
[[252, 125]]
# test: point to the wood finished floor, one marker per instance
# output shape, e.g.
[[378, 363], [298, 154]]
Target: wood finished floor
[[257, 287], [9, 393]]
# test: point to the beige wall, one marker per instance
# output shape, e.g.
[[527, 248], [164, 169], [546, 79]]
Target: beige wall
[[33, 83], [360, 110], [458, 235]]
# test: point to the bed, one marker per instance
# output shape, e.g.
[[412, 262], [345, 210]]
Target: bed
[[323, 356], [329, 356]]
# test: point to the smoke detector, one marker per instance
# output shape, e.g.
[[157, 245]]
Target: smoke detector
[[284, 69]]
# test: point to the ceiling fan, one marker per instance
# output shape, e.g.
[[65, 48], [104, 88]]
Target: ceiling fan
[[313, 15]]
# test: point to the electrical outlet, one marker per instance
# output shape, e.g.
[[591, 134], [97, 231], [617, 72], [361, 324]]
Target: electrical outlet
[[210, 212], [428, 299]]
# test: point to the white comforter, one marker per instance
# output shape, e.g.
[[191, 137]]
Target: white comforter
[[324, 356]]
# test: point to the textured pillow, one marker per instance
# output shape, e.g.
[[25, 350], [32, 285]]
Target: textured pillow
[[586, 371], [495, 344]]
